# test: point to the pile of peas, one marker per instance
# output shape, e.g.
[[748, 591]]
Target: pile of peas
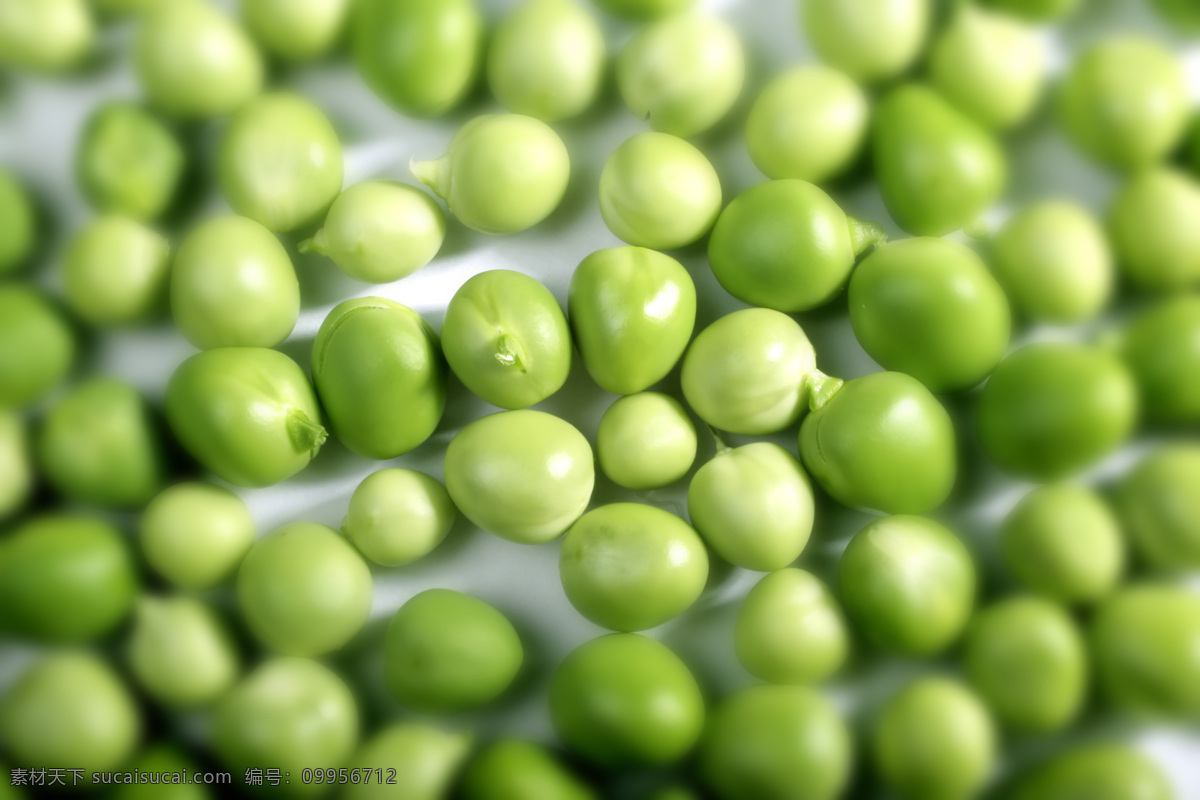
[[1086, 619]]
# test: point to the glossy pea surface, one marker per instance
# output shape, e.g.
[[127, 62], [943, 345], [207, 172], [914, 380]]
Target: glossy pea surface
[[790, 629], [1161, 346], [19, 232], [37, 347], [296, 30], [1150, 223], [398, 515], [1101, 771], [48, 36], [129, 162], [427, 760], [180, 652], [511, 769], [645, 441], [1159, 502], [115, 272], [195, 534], [870, 40]]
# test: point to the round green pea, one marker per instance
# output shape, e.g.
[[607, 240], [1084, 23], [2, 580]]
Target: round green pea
[[934, 739], [37, 347], [380, 375], [296, 30], [65, 579], [129, 162], [70, 711], [783, 742], [1054, 262], [683, 73], [16, 464], [630, 567], [646, 441], [194, 61], [398, 515], [1063, 542], [644, 9], [546, 60], [791, 630], [809, 123], [115, 272], [1151, 222], [753, 505], [525, 476], [448, 652], [786, 245], [909, 584], [1146, 650], [624, 700], [100, 445], [658, 191], [1035, 10], [426, 760], [195, 534], [49, 36], [869, 40], [303, 590], [506, 338], [1027, 659], [632, 312], [380, 231], [938, 170], [1161, 346], [247, 414], [883, 442], [421, 56], [233, 285], [159, 759], [516, 770], [1054, 408], [750, 372], [180, 652], [18, 223], [1159, 502], [1124, 102], [1101, 771]]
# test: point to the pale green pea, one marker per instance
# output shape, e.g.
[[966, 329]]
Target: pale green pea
[[1159, 502], [398, 515], [115, 272], [791, 630], [869, 40], [1035, 10], [644, 9], [196, 534], [162, 758], [645, 441], [50, 36], [37, 347], [426, 760], [18, 223], [129, 162], [658, 191], [180, 652], [512, 769], [1161, 346], [16, 464], [1151, 222], [296, 30], [1100, 771]]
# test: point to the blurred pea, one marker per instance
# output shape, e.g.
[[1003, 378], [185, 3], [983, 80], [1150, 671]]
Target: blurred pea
[[1161, 345], [512, 769], [1159, 501], [129, 162], [1100, 771], [296, 30], [115, 272], [37, 347], [16, 464], [18, 223], [157, 759], [195, 534], [49, 36], [180, 652], [790, 629], [870, 40], [425, 761], [1152, 225]]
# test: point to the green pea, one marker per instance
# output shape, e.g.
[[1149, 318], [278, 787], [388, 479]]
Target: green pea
[[166, 761], [1125, 102], [380, 375], [632, 311], [503, 173], [809, 124], [1054, 262], [194, 61], [1035, 10], [791, 630], [16, 467], [546, 60], [781, 742], [421, 56], [180, 652], [65, 579], [69, 711], [625, 700], [869, 40], [1146, 650], [195, 534], [1102, 771], [129, 162], [938, 169], [751, 372], [516, 770], [506, 338], [19, 228], [1161, 346], [660, 192], [1028, 661], [644, 9], [448, 652], [292, 713], [49, 36], [37, 347], [1064, 542], [753, 505], [991, 66], [100, 444], [630, 567], [1159, 501], [247, 414], [380, 231], [1151, 225], [398, 515], [115, 272], [683, 73], [646, 441], [934, 739], [303, 590], [426, 760], [1054, 408], [909, 584], [296, 30], [525, 476], [233, 285], [883, 442], [786, 245]]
